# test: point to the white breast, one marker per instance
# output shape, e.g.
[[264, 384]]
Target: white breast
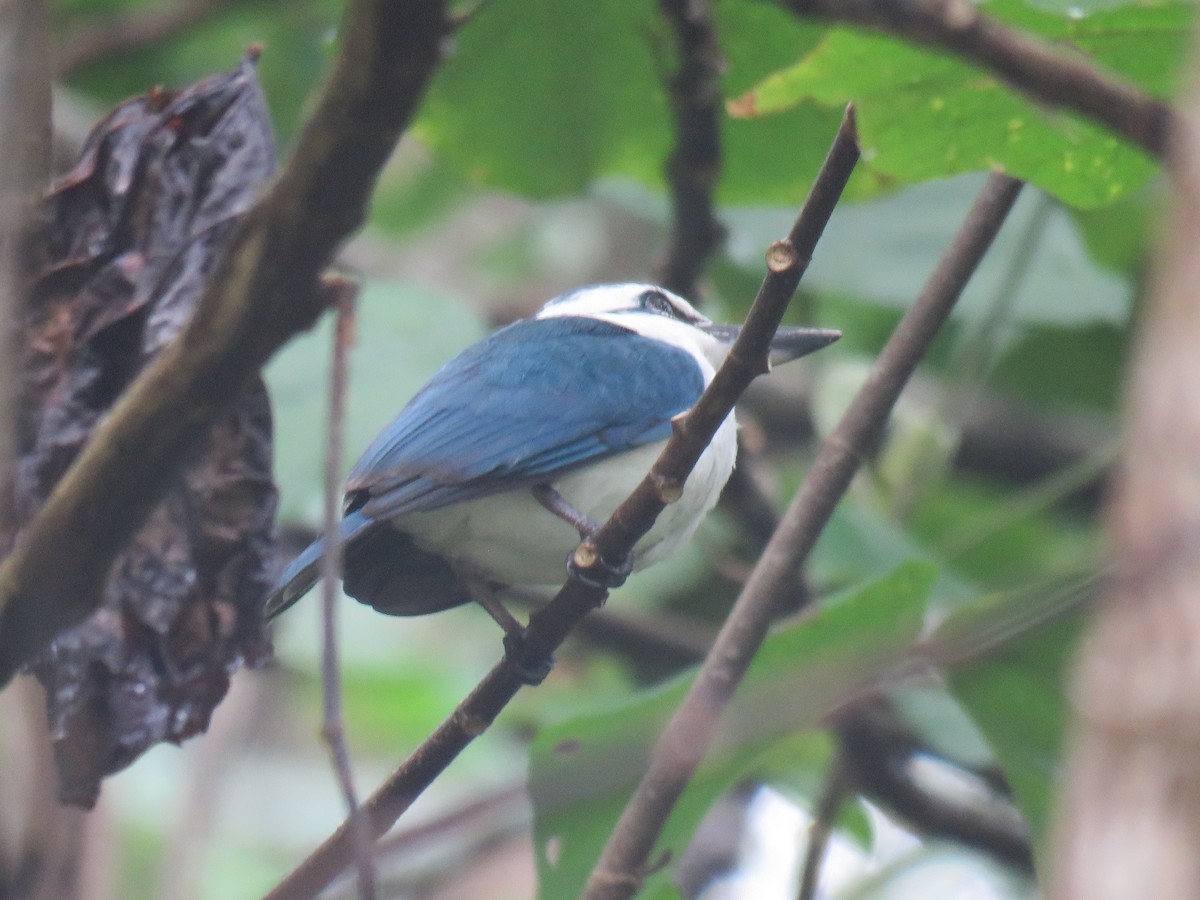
[[512, 539]]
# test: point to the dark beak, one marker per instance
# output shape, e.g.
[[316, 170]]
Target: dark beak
[[788, 343]]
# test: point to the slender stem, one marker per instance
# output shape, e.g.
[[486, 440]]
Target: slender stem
[[821, 830], [549, 626], [333, 727], [687, 736]]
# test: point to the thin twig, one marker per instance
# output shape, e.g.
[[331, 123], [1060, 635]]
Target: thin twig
[[333, 727], [876, 748], [264, 291], [824, 816], [511, 801], [695, 162], [1033, 66], [549, 626], [687, 736]]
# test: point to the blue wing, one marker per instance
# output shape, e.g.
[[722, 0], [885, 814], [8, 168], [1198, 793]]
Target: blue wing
[[536, 398]]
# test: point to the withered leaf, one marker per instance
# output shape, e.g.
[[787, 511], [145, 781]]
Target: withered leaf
[[118, 258]]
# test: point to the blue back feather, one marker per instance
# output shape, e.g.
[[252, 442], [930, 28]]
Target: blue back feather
[[535, 399]]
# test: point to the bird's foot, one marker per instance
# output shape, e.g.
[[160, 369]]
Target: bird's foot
[[556, 503], [584, 564], [530, 663]]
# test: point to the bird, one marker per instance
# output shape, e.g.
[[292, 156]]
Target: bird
[[519, 446]]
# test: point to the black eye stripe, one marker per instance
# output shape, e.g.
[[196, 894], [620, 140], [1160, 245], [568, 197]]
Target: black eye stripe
[[657, 302]]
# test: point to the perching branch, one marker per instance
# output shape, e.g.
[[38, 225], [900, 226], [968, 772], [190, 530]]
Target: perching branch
[[1030, 65], [695, 162], [263, 292], [549, 626], [687, 736]]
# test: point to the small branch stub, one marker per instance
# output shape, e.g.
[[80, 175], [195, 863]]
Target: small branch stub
[[669, 489], [781, 256], [585, 555]]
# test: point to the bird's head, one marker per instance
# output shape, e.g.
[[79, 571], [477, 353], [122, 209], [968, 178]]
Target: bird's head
[[656, 313]]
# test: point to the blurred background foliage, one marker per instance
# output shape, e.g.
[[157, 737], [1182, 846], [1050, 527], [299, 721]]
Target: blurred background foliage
[[537, 165]]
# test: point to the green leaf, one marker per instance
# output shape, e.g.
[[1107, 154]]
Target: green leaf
[[883, 251], [583, 770], [1016, 696], [541, 97], [514, 109], [295, 49], [924, 114]]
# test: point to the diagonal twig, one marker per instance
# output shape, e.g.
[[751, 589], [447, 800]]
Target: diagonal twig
[[549, 626], [1033, 66], [264, 291], [685, 740]]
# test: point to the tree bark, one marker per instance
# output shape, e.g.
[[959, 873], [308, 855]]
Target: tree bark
[[1129, 810]]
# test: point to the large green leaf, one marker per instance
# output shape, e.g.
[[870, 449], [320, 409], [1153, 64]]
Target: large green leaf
[[924, 114], [1016, 697], [583, 770], [544, 97]]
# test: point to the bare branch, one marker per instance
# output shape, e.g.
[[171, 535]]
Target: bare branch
[[687, 736], [695, 162], [1129, 807], [549, 626], [265, 290], [876, 748], [1030, 65], [333, 727]]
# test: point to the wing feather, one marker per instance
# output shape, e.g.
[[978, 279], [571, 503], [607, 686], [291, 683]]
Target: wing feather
[[535, 399]]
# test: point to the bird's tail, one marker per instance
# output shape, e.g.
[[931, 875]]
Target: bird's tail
[[305, 570]]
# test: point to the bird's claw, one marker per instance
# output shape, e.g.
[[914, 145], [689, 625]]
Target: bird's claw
[[599, 572], [530, 664]]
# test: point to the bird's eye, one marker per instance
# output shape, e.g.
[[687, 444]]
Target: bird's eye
[[657, 302]]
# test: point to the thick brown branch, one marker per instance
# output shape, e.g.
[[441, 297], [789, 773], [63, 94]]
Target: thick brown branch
[[549, 626], [687, 736], [1032, 66], [695, 161], [264, 292]]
